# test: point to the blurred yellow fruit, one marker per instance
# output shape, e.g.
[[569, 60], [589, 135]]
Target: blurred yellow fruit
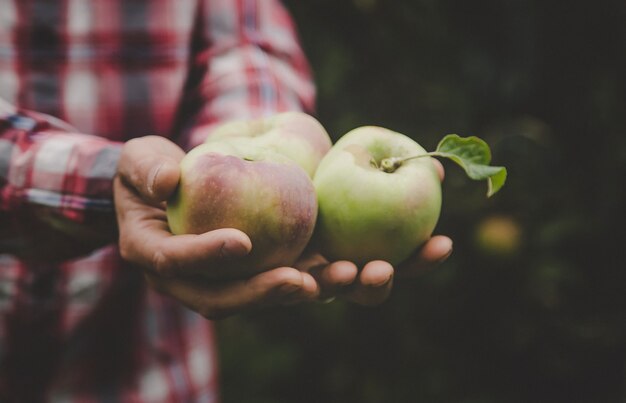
[[498, 236]]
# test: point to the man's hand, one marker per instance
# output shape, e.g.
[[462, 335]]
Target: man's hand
[[148, 173], [372, 284]]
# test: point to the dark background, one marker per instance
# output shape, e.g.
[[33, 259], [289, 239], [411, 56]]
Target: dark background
[[531, 307]]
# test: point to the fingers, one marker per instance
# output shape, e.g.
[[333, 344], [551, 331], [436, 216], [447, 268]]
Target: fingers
[[334, 278], [335, 275], [150, 165], [371, 286], [338, 274], [145, 239], [283, 285], [180, 255], [436, 250]]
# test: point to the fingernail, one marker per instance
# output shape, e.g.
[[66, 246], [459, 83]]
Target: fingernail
[[233, 248], [382, 283], [344, 284], [152, 178], [289, 288], [447, 255]]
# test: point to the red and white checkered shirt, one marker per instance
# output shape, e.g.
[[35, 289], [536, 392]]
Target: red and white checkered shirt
[[78, 78]]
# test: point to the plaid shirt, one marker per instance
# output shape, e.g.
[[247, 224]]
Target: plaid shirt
[[78, 78]]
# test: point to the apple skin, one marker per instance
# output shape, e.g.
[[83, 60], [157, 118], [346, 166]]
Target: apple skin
[[296, 135], [255, 190], [366, 214]]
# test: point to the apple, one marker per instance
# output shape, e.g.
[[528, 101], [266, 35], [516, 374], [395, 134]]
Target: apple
[[371, 210], [253, 189], [498, 236], [296, 135]]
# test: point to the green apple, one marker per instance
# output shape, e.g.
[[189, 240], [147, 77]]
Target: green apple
[[294, 134], [253, 189], [368, 210]]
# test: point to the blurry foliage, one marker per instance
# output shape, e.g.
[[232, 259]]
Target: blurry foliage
[[544, 84]]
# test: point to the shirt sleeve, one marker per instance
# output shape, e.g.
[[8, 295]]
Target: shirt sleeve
[[250, 64], [53, 178]]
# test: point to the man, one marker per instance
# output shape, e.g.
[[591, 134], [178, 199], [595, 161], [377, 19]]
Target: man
[[83, 188]]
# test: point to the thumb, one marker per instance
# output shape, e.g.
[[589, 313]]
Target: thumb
[[162, 175], [150, 165]]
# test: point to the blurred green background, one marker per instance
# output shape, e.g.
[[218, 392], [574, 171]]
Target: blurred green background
[[531, 307]]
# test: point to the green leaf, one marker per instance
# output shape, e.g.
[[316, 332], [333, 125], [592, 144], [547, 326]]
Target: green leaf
[[474, 156]]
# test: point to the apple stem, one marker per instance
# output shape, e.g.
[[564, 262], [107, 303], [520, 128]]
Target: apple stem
[[390, 164]]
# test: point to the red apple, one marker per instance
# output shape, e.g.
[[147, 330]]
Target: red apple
[[253, 189]]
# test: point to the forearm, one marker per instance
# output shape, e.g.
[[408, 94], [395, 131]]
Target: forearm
[[55, 186]]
